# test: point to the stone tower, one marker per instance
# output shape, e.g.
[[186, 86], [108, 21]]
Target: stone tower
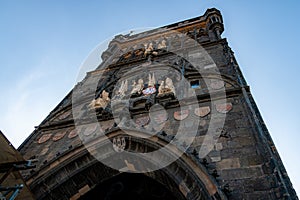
[[166, 115]]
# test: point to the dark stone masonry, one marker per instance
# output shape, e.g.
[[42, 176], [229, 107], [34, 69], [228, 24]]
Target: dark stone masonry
[[159, 82]]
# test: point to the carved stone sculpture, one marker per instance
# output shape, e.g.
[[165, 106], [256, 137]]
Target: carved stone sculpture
[[123, 89], [151, 82], [161, 88], [166, 87], [169, 85], [138, 87], [162, 44], [148, 49], [151, 85], [100, 102]]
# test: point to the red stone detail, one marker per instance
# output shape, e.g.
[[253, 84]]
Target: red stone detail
[[64, 115], [72, 134], [91, 128], [202, 111], [59, 136], [142, 121], [181, 115], [44, 138], [224, 108]]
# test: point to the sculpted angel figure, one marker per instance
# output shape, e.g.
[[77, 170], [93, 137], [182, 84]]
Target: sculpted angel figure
[[100, 102]]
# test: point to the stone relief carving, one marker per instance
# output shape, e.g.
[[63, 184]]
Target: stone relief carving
[[72, 134], [44, 138], [202, 111], [181, 114], [59, 135], [151, 85], [224, 108], [166, 86], [123, 89], [100, 102], [138, 87], [162, 45], [119, 144]]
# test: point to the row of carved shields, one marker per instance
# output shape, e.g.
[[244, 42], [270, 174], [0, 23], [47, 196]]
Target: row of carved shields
[[57, 136], [89, 130], [203, 111], [159, 118]]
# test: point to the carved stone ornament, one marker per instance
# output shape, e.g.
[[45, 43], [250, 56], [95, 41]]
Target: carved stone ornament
[[181, 115], [159, 117], [216, 84], [59, 135], [44, 151], [162, 44], [224, 108], [100, 102], [142, 121], [44, 138], [137, 87], [119, 144], [149, 90], [64, 115], [123, 89], [72, 134], [202, 111], [166, 87], [151, 86], [90, 129]]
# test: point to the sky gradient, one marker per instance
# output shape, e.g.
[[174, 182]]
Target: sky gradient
[[43, 44]]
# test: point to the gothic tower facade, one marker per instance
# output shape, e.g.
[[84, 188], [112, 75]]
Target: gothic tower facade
[[166, 115]]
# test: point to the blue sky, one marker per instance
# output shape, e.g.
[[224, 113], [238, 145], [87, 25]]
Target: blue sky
[[43, 44]]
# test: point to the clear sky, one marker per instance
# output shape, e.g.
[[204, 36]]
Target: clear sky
[[43, 43]]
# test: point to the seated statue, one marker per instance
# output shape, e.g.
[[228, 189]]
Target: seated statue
[[150, 50], [100, 102], [162, 44], [169, 85], [166, 87], [138, 87]]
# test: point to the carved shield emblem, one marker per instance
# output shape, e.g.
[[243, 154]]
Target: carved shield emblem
[[72, 134], [90, 129], [44, 138], [202, 111], [44, 151], [149, 90], [64, 115], [224, 108], [59, 136], [181, 115], [159, 117], [142, 121], [216, 84], [119, 144]]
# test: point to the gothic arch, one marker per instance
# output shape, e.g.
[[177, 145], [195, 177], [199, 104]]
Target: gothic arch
[[77, 171]]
